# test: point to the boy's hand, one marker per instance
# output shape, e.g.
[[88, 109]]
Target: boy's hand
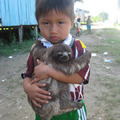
[[38, 95], [41, 71], [35, 80]]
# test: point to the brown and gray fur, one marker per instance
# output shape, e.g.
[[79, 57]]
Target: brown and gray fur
[[59, 57]]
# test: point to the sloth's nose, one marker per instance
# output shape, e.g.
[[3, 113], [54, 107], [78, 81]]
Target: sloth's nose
[[65, 56]]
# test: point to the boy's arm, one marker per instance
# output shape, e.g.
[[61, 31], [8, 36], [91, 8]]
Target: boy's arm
[[34, 91], [48, 71], [73, 79]]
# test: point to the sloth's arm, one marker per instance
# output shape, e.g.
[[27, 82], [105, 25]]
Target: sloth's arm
[[74, 65], [81, 62]]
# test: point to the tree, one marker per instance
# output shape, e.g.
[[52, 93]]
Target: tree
[[103, 15]]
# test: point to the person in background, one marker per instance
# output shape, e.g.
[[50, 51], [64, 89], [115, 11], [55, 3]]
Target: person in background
[[55, 19], [78, 27], [89, 21]]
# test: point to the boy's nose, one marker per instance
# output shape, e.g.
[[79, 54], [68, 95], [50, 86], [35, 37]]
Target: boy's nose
[[53, 29]]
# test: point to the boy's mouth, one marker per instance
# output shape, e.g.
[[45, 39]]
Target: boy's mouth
[[54, 38]]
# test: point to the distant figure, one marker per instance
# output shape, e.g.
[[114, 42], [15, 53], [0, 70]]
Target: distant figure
[[89, 21], [78, 27]]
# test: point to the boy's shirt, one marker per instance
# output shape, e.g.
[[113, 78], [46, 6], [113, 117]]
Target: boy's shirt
[[78, 24], [89, 22], [76, 90]]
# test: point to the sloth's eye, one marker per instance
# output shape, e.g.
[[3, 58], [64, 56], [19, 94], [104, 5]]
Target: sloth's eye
[[59, 53], [69, 53]]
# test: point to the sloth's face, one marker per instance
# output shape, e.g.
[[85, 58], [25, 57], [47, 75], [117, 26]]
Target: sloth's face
[[63, 56], [61, 53]]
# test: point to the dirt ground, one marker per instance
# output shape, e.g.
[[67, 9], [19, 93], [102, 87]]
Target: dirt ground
[[13, 100]]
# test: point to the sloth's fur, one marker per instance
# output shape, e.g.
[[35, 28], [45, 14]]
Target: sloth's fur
[[59, 57]]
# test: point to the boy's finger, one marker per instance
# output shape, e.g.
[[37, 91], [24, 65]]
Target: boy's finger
[[34, 81], [38, 61], [40, 85], [36, 104], [42, 101], [42, 91]]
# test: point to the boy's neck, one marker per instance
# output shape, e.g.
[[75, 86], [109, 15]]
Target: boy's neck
[[68, 41]]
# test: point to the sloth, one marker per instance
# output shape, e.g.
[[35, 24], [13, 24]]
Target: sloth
[[59, 56]]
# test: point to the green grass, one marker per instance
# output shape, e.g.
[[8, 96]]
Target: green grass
[[109, 98], [110, 43], [15, 48], [112, 35]]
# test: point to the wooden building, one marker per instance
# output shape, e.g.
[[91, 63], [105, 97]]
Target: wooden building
[[17, 13]]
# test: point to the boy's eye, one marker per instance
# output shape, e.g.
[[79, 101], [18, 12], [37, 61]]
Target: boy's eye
[[46, 23], [60, 22]]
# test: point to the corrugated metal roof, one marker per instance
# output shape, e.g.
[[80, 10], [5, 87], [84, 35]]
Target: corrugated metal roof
[[17, 12]]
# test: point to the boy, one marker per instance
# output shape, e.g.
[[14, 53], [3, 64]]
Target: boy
[[89, 21], [55, 19]]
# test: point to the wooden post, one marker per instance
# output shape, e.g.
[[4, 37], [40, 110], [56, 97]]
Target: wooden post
[[9, 35], [20, 31], [36, 32]]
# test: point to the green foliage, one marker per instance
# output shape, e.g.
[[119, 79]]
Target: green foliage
[[15, 47], [10, 35], [95, 19], [103, 15], [9, 41]]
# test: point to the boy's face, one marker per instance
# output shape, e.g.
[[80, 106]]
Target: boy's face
[[55, 26]]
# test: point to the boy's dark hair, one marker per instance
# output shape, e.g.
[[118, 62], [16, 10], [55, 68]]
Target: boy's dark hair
[[64, 6], [78, 20]]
